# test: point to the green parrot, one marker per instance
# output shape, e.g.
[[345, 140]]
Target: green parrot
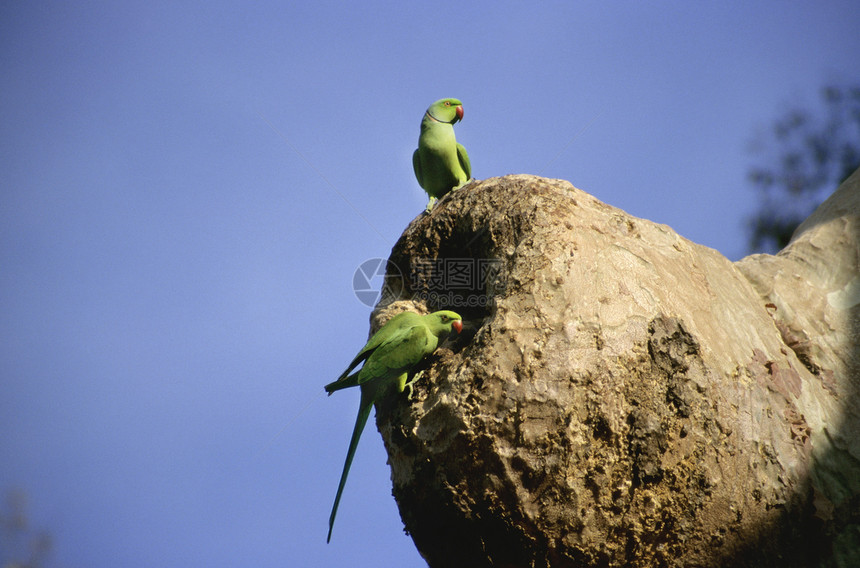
[[388, 357], [440, 163]]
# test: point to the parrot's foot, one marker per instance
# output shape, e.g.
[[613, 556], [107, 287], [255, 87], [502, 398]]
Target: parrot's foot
[[464, 184], [430, 204], [407, 387]]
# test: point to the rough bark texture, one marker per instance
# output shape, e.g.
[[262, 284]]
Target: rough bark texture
[[624, 397]]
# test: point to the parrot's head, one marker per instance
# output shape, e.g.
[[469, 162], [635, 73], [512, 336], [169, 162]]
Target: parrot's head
[[444, 322], [446, 110]]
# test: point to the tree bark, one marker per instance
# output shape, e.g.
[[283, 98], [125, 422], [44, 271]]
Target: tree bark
[[621, 396]]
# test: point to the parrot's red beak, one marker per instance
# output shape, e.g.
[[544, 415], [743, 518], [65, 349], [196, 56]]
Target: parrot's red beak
[[457, 325], [459, 110]]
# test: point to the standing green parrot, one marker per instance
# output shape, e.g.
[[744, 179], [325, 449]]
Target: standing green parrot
[[440, 163], [388, 357]]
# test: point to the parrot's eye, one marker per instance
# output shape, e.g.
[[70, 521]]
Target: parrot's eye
[[447, 103], [444, 319]]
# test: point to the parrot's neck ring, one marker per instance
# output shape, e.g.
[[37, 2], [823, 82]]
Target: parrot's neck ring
[[433, 118]]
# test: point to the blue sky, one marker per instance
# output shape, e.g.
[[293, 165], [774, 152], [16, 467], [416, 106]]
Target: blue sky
[[188, 189]]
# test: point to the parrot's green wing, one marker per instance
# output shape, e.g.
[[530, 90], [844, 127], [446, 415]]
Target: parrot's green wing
[[463, 157], [396, 325], [416, 167], [401, 352]]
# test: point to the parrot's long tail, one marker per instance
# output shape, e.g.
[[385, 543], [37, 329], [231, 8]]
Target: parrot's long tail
[[360, 421]]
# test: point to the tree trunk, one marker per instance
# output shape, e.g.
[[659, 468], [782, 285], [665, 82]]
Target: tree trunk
[[621, 396]]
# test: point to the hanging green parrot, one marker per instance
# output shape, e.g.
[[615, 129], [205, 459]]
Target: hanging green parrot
[[388, 357], [440, 163]]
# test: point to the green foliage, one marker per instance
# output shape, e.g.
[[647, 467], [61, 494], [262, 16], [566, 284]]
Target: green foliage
[[815, 152]]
